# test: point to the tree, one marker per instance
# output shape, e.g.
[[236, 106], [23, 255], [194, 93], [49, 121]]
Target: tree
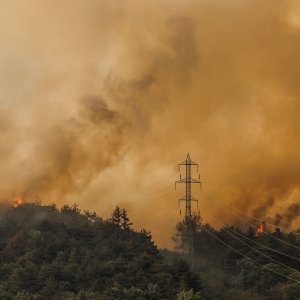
[[46, 253], [181, 235], [125, 224], [116, 216]]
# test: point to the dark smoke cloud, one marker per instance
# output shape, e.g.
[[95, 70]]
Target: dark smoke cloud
[[68, 156], [261, 210], [286, 218], [99, 100]]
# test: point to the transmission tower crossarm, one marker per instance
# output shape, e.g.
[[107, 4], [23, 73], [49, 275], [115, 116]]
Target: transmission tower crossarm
[[184, 163], [184, 180], [195, 181], [188, 161], [188, 181], [184, 199]]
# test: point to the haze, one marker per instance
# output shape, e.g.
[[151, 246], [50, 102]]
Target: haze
[[101, 99]]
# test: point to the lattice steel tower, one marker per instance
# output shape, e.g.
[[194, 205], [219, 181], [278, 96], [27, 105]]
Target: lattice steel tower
[[188, 180]]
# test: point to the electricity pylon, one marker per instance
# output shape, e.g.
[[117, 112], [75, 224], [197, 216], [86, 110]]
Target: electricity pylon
[[188, 181]]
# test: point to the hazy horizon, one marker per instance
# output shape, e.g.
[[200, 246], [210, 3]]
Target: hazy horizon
[[101, 100]]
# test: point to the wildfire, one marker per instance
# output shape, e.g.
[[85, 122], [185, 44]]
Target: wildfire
[[261, 229], [17, 201]]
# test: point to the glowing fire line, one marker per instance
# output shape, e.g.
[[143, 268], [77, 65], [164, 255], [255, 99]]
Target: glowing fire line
[[261, 229], [17, 201]]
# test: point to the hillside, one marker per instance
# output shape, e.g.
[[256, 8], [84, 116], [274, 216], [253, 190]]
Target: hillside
[[244, 263], [51, 253], [47, 253]]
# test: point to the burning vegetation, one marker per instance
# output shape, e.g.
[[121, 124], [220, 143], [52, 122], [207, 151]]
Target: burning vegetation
[[18, 201], [261, 229]]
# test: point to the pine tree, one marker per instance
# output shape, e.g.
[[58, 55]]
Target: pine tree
[[125, 224], [116, 216], [181, 236]]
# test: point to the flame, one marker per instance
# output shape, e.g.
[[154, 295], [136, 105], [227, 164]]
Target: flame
[[18, 201], [261, 229]]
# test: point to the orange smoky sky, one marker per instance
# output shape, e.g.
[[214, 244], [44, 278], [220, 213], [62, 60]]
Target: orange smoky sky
[[101, 99]]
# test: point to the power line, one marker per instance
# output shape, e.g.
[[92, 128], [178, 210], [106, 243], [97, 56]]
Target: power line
[[274, 260], [291, 229], [264, 246], [241, 219], [230, 228], [239, 252], [269, 223], [153, 184], [164, 211], [263, 254], [158, 164], [150, 199]]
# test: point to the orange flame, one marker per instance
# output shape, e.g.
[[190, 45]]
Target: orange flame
[[18, 201], [261, 229]]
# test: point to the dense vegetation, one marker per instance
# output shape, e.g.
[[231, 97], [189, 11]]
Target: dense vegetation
[[226, 259], [46, 253]]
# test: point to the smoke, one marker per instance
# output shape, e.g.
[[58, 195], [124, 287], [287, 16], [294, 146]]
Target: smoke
[[261, 210], [100, 100], [285, 219], [76, 151]]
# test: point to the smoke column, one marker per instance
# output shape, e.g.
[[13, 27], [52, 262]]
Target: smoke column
[[101, 99]]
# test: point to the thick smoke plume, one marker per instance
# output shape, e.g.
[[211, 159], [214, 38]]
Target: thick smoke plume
[[101, 99]]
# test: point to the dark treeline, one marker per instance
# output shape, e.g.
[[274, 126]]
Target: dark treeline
[[47, 253], [51, 253], [226, 261]]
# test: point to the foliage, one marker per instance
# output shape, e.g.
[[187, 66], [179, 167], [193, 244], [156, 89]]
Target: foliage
[[189, 295], [229, 274], [47, 253]]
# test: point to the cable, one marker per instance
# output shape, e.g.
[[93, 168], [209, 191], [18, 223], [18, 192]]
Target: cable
[[224, 226], [237, 251], [253, 225], [150, 199], [264, 246], [160, 163], [154, 192], [292, 230], [295, 232], [254, 218], [153, 184], [274, 260], [165, 212], [162, 214], [241, 219]]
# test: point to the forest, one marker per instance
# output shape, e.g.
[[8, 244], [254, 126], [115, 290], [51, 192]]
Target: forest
[[243, 264], [47, 253], [66, 253]]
